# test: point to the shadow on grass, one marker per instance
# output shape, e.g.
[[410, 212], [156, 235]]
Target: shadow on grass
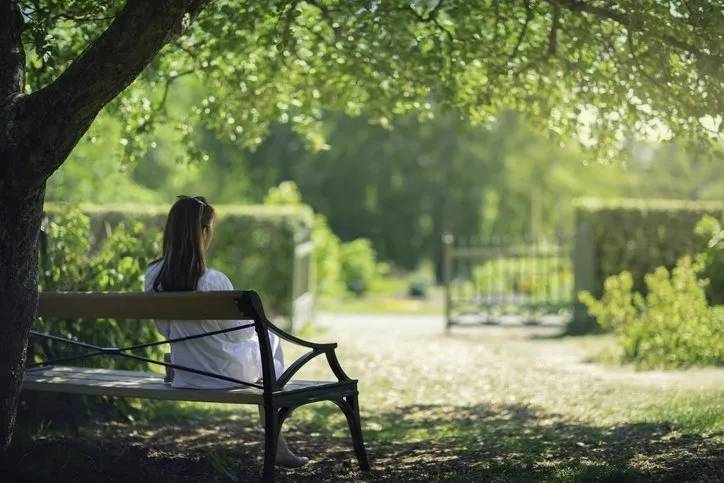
[[411, 443]]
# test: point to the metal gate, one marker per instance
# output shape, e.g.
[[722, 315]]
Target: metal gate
[[507, 282]]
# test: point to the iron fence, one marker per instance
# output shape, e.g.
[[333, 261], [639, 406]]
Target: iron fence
[[507, 281]]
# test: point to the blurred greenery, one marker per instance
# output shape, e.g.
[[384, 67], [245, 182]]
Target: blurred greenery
[[711, 232], [117, 263], [357, 265], [401, 188], [671, 326], [638, 235], [576, 71], [336, 264], [253, 245]]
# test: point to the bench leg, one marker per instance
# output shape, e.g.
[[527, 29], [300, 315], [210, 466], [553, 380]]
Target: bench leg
[[350, 407], [271, 434]]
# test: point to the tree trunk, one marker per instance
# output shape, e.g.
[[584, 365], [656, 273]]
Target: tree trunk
[[20, 216], [37, 133]]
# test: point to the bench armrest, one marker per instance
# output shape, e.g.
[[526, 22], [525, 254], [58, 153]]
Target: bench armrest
[[296, 340], [252, 304]]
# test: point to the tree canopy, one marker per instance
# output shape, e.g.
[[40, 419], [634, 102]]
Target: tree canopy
[[594, 70]]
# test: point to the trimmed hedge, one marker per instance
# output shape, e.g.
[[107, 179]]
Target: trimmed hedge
[[253, 245], [635, 236]]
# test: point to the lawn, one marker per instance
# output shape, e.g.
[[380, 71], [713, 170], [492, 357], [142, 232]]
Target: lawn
[[389, 295], [495, 404]]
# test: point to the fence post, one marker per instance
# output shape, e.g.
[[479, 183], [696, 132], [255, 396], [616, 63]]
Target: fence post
[[302, 300], [447, 244], [584, 273]]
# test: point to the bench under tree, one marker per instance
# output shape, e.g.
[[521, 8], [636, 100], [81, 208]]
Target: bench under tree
[[278, 396]]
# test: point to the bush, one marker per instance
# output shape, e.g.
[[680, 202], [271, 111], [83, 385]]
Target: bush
[[326, 243], [636, 236], [353, 263], [671, 326], [69, 261], [253, 245], [358, 265], [711, 233], [118, 263], [326, 257]]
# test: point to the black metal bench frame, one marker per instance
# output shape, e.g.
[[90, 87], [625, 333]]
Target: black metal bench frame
[[278, 402]]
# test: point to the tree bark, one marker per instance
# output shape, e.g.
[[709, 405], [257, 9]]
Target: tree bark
[[20, 216], [37, 133]]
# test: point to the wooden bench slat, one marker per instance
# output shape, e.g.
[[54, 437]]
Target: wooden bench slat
[[145, 385], [123, 305]]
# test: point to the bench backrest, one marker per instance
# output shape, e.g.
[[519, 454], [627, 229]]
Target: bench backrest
[[133, 305], [227, 305]]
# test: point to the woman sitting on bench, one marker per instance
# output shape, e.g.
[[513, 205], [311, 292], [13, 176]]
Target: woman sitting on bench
[[236, 354]]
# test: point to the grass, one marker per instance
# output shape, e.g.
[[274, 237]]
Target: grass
[[496, 404], [389, 295], [382, 304]]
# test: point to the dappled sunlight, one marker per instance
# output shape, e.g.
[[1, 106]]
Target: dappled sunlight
[[483, 404]]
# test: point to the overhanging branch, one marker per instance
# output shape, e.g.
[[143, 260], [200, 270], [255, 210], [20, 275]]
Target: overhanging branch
[[68, 105], [631, 24]]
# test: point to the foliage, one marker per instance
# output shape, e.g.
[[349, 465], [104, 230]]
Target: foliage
[[326, 257], [116, 263], [639, 235], [352, 264], [287, 193], [711, 232], [253, 245], [326, 243], [502, 180], [671, 326], [358, 265], [576, 69]]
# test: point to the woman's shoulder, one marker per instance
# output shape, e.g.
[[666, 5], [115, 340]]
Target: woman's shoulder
[[151, 273], [214, 280]]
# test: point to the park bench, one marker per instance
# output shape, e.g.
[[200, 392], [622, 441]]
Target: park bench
[[278, 396]]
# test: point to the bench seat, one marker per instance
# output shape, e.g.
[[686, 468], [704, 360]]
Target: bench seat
[[144, 385]]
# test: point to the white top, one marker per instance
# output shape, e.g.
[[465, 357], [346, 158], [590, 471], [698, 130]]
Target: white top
[[233, 354]]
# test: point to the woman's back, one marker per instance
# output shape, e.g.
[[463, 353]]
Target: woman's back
[[233, 354]]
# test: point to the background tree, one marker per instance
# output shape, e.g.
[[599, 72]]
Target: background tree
[[577, 68]]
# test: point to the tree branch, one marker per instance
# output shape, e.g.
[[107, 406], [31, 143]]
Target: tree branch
[[66, 107], [631, 24], [523, 30], [553, 36]]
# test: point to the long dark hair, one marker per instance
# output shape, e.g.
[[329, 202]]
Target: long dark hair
[[184, 253]]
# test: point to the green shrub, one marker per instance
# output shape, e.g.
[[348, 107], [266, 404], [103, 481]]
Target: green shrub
[[671, 326], [358, 265], [711, 233], [635, 236], [118, 263], [326, 257], [326, 243], [286, 193]]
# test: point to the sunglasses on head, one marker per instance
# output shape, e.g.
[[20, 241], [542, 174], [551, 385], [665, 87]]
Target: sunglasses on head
[[199, 199]]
